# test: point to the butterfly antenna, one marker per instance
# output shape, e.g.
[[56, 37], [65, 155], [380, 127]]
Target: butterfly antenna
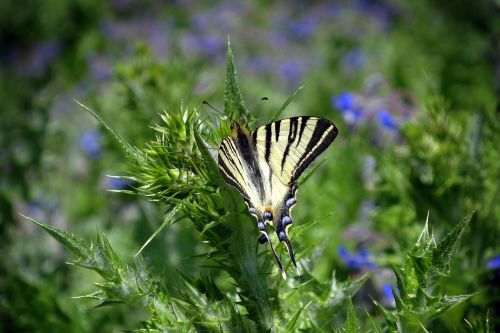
[[217, 110]]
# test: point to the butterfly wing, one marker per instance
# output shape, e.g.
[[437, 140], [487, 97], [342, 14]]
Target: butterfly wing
[[241, 169], [265, 164], [288, 147], [231, 167]]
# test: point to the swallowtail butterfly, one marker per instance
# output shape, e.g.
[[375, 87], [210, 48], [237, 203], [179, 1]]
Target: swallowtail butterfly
[[265, 164]]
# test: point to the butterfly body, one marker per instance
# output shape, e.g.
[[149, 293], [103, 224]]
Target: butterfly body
[[265, 164]]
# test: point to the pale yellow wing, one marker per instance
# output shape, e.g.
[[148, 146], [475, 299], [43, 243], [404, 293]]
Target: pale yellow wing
[[290, 145]]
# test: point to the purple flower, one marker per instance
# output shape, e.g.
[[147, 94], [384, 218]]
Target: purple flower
[[376, 10], [368, 174], [334, 9], [100, 68], [35, 211], [386, 120], [353, 60], [303, 28], [258, 64], [291, 71], [344, 101], [40, 58], [352, 117], [90, 143], [208, 45], [493, 263], [122, 4]]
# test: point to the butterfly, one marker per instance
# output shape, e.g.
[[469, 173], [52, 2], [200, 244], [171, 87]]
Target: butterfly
[[264, 165]]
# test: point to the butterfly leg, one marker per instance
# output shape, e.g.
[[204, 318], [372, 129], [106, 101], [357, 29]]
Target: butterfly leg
[[265, 237]]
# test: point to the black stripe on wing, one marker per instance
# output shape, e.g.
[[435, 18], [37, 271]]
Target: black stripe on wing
[[227, 151], [317, 144], [277, 125], [292, 135], [268, 142], [303, 123]]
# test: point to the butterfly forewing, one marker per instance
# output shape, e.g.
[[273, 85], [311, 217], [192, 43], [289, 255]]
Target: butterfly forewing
[[290, 145], [236, 172]]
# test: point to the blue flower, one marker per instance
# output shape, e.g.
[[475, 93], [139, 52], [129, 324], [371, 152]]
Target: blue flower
[[352, 117], [493, 263], [342, 251], [116, 183], [344, 101], [387, 293], [386, 120], [90, 143], [359, 260]]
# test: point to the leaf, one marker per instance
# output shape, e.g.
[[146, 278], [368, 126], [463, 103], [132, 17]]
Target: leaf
[[284, 106], [376, 328], [69, 241], [390, 317], [129, 150], [446, 248], [167, 220], [351, 322], [211, 165], [233, 100], [290, 326], [401, 282], [448, 302], [425, 242], [421, 266], [400, 304]]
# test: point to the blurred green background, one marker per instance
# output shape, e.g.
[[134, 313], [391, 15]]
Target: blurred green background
[[412, 85]]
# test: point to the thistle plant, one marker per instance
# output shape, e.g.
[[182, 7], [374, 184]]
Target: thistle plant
[[417, 298], [177, 169]]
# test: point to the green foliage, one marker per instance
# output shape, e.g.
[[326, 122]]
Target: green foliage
[[351, 322], [419, 137], [417, 301], [233, 100], [179, 170]]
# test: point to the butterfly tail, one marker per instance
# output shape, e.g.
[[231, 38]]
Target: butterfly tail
[[262, 240], [277, 259], [291, 254]]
